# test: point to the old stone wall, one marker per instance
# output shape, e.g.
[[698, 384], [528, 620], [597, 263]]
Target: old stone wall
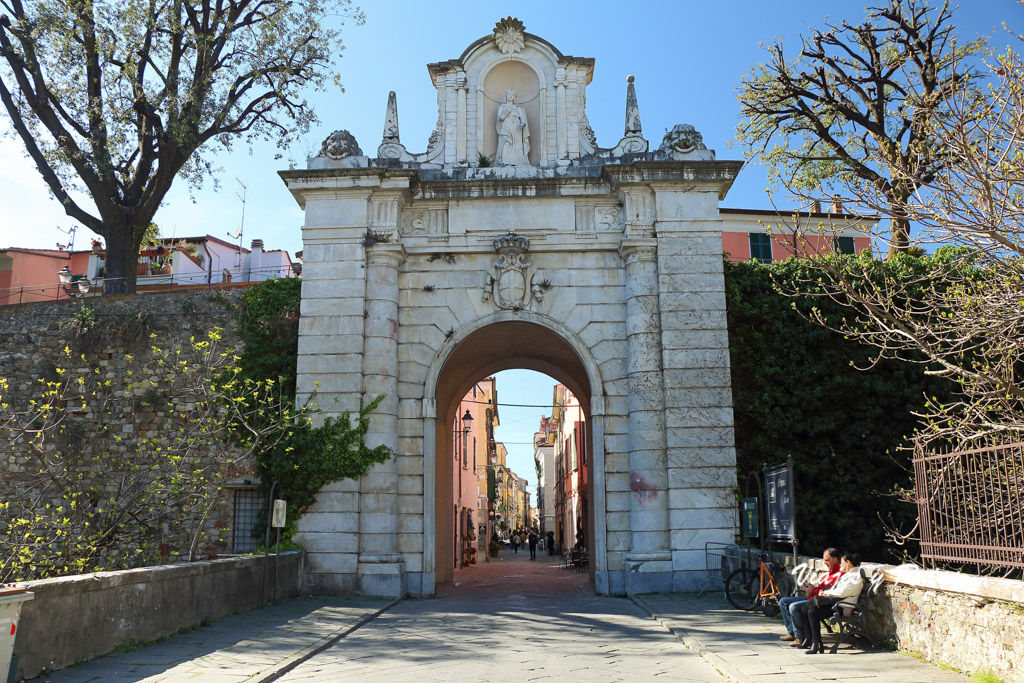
[[34, 340], [972, 623], [82, 617]]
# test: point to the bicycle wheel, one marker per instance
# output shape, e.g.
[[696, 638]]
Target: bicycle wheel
[[741, 588], [785, 582], [783, 587]]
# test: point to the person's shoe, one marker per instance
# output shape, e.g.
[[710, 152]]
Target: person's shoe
[[787, 637], [805, 643], [815, 649], [797, 643]]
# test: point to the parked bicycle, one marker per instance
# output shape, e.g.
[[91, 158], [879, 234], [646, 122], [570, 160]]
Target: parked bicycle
[[747, 589]]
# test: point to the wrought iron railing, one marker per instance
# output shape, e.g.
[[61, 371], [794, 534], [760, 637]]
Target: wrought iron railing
[[971, 505]]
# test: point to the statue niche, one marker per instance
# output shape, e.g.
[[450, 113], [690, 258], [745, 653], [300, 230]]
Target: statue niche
[[510, 127]]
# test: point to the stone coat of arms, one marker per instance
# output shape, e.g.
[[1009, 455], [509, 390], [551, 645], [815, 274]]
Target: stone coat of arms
[[509, 282]]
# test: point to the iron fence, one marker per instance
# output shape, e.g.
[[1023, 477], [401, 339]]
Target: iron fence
[[970, 505]]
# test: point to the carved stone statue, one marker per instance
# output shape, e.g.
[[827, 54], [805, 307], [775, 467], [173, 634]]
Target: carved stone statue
[[682, 139], [340, 144], [513, 133]]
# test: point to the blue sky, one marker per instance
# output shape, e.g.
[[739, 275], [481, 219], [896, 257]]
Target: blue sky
[[687, 58]]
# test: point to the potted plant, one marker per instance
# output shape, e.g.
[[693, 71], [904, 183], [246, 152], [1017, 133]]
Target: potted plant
[[493, 547], [97, 245]]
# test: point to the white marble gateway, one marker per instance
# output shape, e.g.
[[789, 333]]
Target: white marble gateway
[[515, 240]]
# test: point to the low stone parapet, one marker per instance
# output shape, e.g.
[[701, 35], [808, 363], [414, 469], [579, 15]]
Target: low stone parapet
[[75, 618], [972, 623]]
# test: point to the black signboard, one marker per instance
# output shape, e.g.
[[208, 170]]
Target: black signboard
[[779, 502], [750, 518]]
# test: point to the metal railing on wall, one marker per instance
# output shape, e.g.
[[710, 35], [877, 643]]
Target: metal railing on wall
[[76, 290], [971, 506]]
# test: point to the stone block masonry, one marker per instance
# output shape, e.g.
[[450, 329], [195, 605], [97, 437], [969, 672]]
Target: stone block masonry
[[516, 241]]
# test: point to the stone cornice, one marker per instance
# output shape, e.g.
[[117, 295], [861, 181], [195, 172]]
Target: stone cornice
[[474, 183], [721, 174]]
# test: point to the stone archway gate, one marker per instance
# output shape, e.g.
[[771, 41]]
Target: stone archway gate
[[617, 251]]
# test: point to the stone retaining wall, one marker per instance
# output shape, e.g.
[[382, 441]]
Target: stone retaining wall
[[81, 617], [971, 623], [33, 338]]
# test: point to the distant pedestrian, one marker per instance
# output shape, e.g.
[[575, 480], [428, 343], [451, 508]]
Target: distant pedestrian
[[532, 540], [515, 543], [551, 543]]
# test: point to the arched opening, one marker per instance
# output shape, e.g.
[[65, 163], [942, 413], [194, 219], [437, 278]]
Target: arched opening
[[503, 346]]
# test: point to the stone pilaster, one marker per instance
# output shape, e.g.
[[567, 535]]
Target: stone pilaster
[[649, 562], [460, 87], [381, 567]]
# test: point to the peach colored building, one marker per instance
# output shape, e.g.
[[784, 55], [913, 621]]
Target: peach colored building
[[469, 470], [764, 235], [28, 275], [571, 470]]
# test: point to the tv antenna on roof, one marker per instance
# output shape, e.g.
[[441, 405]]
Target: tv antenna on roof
[[241, 226], [70, 246]]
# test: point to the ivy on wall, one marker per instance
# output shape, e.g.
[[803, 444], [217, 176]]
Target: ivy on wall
[[312, 456], [797, 390]]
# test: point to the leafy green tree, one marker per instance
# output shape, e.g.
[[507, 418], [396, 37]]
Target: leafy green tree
[[854, 108], [117, 98], [802, 391]]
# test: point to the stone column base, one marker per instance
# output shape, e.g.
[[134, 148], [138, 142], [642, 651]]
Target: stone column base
[[648, 573], [382, 575]]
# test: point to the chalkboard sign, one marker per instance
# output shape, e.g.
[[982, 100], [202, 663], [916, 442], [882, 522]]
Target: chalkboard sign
[[779, 503]]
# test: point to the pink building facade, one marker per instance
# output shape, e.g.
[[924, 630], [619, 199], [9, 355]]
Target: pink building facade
[[765, 235]]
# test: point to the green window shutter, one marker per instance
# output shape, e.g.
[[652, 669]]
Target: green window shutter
[[844, 245], [761, 247]]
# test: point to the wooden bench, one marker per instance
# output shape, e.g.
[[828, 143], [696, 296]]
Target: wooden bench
[[852, 620]]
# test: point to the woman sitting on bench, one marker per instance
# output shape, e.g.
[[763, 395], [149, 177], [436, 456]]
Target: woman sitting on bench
[[846, 592]]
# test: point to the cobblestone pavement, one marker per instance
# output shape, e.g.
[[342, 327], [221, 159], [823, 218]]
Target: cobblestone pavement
[[509, 619], [541, 623], [249, 646], [745, 646]]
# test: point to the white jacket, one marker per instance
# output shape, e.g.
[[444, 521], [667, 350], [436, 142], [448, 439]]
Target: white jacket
[[847, 588]]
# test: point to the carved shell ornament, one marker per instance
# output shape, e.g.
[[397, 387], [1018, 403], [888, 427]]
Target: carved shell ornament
[[508, 35], [339, 145]]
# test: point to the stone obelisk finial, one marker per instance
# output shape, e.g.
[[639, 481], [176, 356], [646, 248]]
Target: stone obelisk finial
[[632, 109], [391, 119]]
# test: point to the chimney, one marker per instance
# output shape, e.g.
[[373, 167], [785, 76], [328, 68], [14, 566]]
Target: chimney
[[253, 272], [816, 206], [837, 204]]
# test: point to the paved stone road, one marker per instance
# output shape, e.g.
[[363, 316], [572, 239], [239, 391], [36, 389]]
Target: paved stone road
[[510, 619], [547, 625], [745, 646], [248, 646]]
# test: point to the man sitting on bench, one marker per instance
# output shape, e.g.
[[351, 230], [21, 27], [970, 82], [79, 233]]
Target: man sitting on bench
[[791, 605], [845, 592]]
